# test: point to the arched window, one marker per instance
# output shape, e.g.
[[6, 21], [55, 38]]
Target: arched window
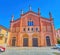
[[36, 29], [32, 29], [28, 29], [24, 29], [30, 23]]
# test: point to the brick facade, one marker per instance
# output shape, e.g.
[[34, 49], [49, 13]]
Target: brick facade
[[41, 33], [58, 33]]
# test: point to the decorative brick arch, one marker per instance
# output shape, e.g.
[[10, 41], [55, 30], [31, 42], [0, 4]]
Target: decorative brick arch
[[34, 35], [25, 36], [35, 40], [25, 40]]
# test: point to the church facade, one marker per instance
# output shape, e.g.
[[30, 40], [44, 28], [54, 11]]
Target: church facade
[[32, 30]]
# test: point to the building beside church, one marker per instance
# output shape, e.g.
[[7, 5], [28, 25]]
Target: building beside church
[[32, 30], [58, 33], [4, 34]]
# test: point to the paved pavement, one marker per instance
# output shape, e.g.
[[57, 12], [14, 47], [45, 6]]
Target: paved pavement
[[29, 51]]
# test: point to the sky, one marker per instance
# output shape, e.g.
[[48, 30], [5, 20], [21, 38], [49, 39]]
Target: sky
[[13, 7]]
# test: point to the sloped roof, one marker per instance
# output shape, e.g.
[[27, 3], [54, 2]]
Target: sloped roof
[[30, 12], [2, 27]]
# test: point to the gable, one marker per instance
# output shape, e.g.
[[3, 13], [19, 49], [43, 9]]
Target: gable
[[30, 16], [30, 13]]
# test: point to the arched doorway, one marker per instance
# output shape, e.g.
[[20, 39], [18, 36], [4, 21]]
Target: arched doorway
[[13, 41], [25, 40], [35, 42], [48, 41]]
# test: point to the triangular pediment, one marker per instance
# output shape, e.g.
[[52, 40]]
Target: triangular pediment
[[30, 12]]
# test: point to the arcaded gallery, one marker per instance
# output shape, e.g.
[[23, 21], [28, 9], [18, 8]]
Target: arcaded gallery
[[32, 30]]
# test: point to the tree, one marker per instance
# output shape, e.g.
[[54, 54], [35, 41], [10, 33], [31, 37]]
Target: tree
[[58, 41]]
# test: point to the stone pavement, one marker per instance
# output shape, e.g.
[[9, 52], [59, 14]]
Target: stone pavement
[[28, 51]]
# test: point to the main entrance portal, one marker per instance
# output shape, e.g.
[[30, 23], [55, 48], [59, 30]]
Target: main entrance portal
[[35, 42], [25, 42], [14, 41]]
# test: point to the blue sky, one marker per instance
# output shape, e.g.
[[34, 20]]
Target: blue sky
[[9, 7]]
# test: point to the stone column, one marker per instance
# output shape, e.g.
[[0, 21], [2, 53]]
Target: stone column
[[30, 40], [21, 40], [18, 40], [42, 36], [53, 35], [39, 43]]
